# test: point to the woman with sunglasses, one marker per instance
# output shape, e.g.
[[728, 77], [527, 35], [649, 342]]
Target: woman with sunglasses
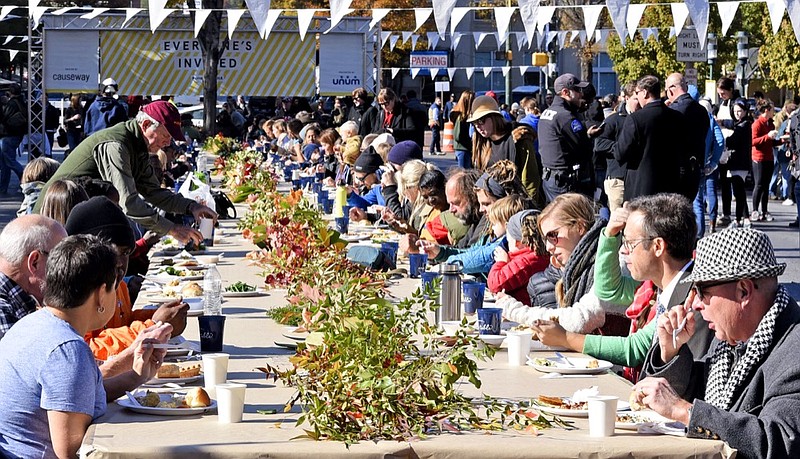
[[394, 118], [495, 140], [564, 291]]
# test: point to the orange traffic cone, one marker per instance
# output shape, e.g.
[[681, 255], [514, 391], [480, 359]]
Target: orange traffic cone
[[447, 138]]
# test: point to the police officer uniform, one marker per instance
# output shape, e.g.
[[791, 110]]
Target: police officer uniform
[[564, 145]]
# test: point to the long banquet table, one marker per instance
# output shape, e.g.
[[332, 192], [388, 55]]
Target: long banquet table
[[249, 339]]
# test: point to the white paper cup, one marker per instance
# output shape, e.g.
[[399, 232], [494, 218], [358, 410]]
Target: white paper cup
[[207, 228], [519, 346], [602, 415], [230, 402], [215, 371]]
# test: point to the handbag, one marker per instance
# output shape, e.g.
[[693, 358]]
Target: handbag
[[61, 137], [223, 205]]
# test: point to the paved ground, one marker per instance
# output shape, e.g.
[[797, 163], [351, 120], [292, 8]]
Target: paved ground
[[785, 240]]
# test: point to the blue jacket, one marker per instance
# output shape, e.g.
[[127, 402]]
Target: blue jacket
[[715, 143], [373, 197], [104, 113], [479, 258]]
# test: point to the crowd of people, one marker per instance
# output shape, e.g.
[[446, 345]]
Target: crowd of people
[[582, 216]]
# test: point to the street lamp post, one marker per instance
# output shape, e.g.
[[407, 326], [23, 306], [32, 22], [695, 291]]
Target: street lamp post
[[712, 54], [742, 55]]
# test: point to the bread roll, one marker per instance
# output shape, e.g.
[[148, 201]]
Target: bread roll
[[192, 289], [636, 405], [197, 398]]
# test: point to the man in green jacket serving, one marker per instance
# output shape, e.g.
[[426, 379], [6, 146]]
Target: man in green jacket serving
[[120, 155]]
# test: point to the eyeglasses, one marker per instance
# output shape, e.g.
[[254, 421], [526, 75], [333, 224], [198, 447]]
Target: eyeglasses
[[480, 122], [631, 244], [701, 290], [360, 178], [552, 236]]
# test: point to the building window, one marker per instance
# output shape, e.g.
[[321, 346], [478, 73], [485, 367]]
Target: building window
[[604, 78], [495, 79]]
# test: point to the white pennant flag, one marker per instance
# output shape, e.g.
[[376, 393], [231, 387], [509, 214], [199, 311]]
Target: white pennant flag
[[502, 17], [339, 9], [157, 15], [550, 37], [406, 36], [523, 69], [793, 8], [421, 15], [602, 36], [37, 13], [200, 17], [590, 15], [487, 71], [8, 39], [776, 9], [433, 40], [414, 72], [304, 18], [12, 53], [94, 13], [654, 33], [451, 71], [258, 11], [414, 39], [433, 72], [5, 10], [478, 37], [679, 14], [671, 32], [521, 40], [442, 9], [469, 71], [562, 38], [528, 10], [377, 15], [272, 18], [61, 11], [457, 16], [505, 70], [727, 11], [635, 12], [645, 34], [385, 36], [499, 40], [393, 41], [618, 10], [573, 35], [698, 11], [33, 3], [233, 21], [129, 14], [395, 71], [456, 39], [583, 37], [544, 16]]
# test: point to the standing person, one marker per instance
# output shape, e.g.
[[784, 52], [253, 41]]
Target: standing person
[[495, 141], [530, 117], [462, 140], [434, 117], [564, 144], [106, 110], [765, 137], [779, 184], [614, 181], [73, 120], [13, 126], [697, 122], [738, 145], [363, 113], [120, 156], [449, 106], [396, 119], [651, 145], [715, 144], [723, 113]]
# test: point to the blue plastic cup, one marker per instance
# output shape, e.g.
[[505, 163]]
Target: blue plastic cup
[[489, 321], [211, 331], [327, 205], [391, 244], [346, 211], [341, 224], [316, 187], [416, 264], [320, 176], [473, 295], [427, 279]]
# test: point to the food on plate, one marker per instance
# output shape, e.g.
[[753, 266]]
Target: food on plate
[[150, 399], [542, 362], [197, 398], [174, 283], [632, 418], [192, 289], [178, 370], [240, 287], [561, 402], [186, 264], [636, 405], [593, 364]]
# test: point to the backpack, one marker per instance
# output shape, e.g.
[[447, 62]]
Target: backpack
[[223, 205], [17, 123], [370, 257]]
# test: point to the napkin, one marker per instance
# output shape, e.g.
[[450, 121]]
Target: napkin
[[676, 429], [582, 395]]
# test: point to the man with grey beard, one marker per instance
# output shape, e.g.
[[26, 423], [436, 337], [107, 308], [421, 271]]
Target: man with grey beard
[[460, 193]]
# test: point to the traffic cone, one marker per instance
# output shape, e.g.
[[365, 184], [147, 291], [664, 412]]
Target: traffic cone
[[447, 138]]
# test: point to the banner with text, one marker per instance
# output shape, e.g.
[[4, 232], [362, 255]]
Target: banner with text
[[171, 63], [341, 63], [71, 60], [429, 59]]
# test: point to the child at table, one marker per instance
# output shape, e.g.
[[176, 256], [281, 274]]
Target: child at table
[[526, 255]]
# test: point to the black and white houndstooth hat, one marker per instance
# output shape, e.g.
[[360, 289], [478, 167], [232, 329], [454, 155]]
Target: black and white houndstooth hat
[[732, 254]]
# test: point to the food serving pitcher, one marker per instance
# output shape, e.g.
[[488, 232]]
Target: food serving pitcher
[[450, 296]]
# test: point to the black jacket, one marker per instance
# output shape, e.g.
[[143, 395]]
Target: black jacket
[[604, 143], [403, 126], [563, 142], [698, 123], [740, 143], [651, 146]]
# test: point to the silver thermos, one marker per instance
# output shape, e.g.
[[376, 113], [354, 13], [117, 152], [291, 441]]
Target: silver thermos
[[450, 296]]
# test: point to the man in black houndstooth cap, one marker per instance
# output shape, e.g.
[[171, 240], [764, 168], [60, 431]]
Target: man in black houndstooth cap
[[746, 389]]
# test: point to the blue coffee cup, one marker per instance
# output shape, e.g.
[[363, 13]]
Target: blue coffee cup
[[489, 321], [327, 205], [427, 279], [416, 263], [341, 224], [320, 176], [473, 295]]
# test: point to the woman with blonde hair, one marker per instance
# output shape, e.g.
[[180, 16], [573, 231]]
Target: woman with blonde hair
[[495, 140], [34, 176], [408, 190], [565, 289], [462, 135], [60, 198]]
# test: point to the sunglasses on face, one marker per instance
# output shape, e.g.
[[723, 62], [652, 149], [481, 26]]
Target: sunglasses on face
[[701, 290], [552, 236]]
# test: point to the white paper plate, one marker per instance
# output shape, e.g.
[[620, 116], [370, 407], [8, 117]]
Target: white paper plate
[[289, 332], [640, 418], [287, 344], [559, 366], [256, 292], [621, 406], [124, 402], [354, 237], [164, 278], [194, 313], [174, 380]]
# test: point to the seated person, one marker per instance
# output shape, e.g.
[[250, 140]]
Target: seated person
[[51, 386], [34, 176], [526, 255], [443, 228], [745, 390], [367, 182]]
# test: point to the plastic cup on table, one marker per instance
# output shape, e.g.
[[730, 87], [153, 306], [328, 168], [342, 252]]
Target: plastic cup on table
[[342, 224], [327, 205], [519, 346], [473, 292], [428, 278], [230, 402], [602, 415], [390, 248], [320, 176], [212, 329], [489, 321], [316, 187], [215, 371], [346, 211], [416, 264]]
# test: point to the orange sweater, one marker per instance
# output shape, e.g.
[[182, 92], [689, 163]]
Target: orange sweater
[[121, 330]]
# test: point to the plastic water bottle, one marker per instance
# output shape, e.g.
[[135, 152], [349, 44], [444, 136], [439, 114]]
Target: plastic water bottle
[[212, 292]]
